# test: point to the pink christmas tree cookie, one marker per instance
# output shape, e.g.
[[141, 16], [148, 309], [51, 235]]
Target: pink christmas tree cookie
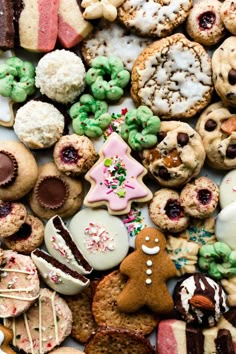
[[116, 178]]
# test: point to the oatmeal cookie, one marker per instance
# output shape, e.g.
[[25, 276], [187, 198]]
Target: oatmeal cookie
[[173, 77], [216, 126], [160, 17], [12, 217], [178, 156]]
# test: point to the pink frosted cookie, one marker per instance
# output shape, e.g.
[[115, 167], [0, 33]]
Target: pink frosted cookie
[[38, 25], [19, 286], [44, 326], [103, 238], [116, 178], [72, 27]]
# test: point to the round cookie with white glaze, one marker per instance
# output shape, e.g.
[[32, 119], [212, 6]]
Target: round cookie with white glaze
[[225, 228], [19, 170], [204, 24], [228, 15], [167, 212], [228, 189], [200, 197], [153, 18], [224, 71], [216, 126], [103, 238], [108, 38], [173, 77], [178, 156]]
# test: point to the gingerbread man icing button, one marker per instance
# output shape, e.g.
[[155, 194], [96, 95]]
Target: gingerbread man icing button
[[148, 268], [116, 178]]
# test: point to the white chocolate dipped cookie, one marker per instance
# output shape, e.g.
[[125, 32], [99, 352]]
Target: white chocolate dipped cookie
[[228, 189], [101, 237], [172, 77], [225, 228]]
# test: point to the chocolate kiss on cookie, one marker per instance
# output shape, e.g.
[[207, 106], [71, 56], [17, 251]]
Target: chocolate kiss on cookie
[[52, 192], [8, 168]]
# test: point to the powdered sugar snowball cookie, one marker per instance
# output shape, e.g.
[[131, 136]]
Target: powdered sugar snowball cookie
[[200, 197], [61, 245], [153, 18], [44, 326], [19, 170], [178, 156], [101, 237], [228, 15], [216, 128], [167, 212], [108, 38], [204, 24], [38, 124], [29, 236], [60, 75], [173, 77], [74, 154], [19, 286], [224, 73], [228, 189], [12, 217]]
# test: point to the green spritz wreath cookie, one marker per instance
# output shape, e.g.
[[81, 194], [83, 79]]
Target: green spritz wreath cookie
[[140, 128], [113, 68], [89, 116], [218, 260], [17, 79]]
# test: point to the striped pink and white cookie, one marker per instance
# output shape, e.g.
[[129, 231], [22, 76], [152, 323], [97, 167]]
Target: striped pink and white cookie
[[72, 27], [19, 285], [38, 25]]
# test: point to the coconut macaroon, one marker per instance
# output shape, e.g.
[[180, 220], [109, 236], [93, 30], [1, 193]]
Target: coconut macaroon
[[60, 76], [38, 124]]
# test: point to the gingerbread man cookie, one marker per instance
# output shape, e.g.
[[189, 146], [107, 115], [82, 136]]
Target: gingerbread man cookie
[[148, 269], [6, 336]]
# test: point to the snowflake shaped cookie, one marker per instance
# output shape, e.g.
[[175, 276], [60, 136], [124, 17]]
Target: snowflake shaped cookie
[[116, 178]]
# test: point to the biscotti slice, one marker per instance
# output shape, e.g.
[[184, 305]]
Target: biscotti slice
[[117, 341], [6, 24], [72, 27], [38, 25]]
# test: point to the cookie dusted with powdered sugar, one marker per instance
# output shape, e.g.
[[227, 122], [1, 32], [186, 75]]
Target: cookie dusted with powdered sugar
[[173, 77], [111, 39], [153, 18]]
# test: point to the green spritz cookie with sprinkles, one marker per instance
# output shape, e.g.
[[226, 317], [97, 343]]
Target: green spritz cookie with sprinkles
[[218, 260], [111, 68], [90, 116], [140, 128], [17, 79]]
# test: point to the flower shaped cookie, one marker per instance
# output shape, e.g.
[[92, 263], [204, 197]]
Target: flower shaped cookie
[[101, 8]]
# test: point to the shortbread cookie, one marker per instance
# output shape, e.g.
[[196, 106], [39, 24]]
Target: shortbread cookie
[[200, 197], [216, 126], [108, 38], [19, 170], [228, 189], [44, 326], [178, 156], [12, 217], [204, 24], [110, 340], [160, 18], [224, 72], [55, 193], [19, 286], [29, 236], [116, 178], [229, 286], [167, 212], [106, 312], [200, 231], [172, 77], [228, 15]]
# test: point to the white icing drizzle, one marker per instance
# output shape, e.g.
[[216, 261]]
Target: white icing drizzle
[[20, 298], [16, 271], [14, 331], [28, 333], [40, 327], [150, 250], [55, 317], [18, 289]]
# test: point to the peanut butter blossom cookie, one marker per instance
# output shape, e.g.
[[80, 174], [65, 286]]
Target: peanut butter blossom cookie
[[172, 77]]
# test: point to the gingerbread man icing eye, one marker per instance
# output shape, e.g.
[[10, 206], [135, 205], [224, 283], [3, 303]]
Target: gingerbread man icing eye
[[156, 240], [147, 238]]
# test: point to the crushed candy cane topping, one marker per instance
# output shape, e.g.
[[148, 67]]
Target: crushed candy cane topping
[[98, 238]]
